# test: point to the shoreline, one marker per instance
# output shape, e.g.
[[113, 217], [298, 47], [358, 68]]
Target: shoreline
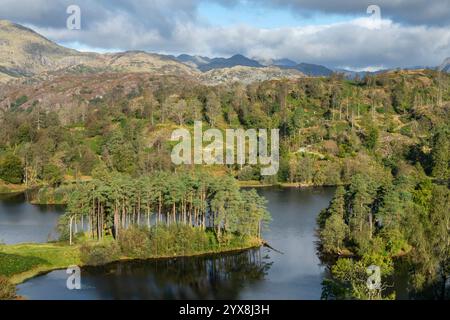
[[286, 185], [37, 271]]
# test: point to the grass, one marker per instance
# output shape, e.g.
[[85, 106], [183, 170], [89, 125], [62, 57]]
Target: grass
[[6, 188], [25, 261]]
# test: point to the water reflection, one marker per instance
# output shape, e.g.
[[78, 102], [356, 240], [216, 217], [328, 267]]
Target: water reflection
[[22, 222], [200, 278], [261, 274]]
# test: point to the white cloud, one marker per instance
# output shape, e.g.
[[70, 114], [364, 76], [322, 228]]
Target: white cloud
[[172, 26]]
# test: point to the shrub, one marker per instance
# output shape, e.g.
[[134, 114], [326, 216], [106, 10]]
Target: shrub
[[52, 174], [11, 169], [249, 174], [99, 254], [7, 289], [135, 242], [179, 240]]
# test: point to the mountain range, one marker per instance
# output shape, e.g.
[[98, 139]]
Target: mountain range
[[205, 64], [27, 54]]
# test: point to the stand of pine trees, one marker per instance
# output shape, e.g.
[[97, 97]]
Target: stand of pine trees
[[117, 202]]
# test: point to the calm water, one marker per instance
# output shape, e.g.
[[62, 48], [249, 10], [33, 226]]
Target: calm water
[[22, 222], [296, 273]]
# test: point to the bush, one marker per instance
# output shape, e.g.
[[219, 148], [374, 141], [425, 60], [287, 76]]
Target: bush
[[52, 174], [249, 174], [99, 254], [179, 240], [135, 242], [11, 169], [7, 289]]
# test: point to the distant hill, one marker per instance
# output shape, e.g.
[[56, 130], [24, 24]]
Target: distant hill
[[25, 53], [194, 61], [278, 62], [284, 63], [445, 66], [313, 70], [206, 64], [248, 75]]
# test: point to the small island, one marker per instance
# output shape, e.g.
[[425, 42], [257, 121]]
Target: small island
[[164, 215]]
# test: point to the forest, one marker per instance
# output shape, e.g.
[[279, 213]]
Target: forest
[[397, 223], [116, 202], [331, 128], [382, 140]]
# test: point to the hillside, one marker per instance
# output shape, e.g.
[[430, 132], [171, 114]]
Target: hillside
[[313, 70], [205, 64], [247, 75], [24, 53]]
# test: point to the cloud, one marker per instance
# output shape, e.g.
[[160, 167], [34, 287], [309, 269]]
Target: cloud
[[174, 26], [413, 12], [161, 15]]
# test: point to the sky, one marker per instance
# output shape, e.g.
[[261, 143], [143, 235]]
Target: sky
[[337, 34]]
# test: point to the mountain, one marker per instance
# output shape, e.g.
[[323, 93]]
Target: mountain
[[278, 62], [140, 61], [236, 60], [205, 64], [351, 75], [25, 53], [248, 75], [194, 61], [313, 70], [284, 63], [445, 66]]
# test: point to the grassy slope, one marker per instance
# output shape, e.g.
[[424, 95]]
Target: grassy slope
[[24, 261], [6, 188]]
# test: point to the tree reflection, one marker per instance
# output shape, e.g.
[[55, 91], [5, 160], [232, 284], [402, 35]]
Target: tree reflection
[[202, 278]]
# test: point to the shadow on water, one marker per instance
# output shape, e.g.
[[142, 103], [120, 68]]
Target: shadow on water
[[252, 275], [199, 278]]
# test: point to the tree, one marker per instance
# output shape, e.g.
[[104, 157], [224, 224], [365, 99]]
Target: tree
[[334, 234], [213, 110], [441, 155], [371, 140], [11, 169], [52, 174], [439, 238], [349, 281], [337, 207], [116, 202]]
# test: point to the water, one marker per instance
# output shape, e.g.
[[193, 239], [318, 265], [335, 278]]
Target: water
[[296, 273], [21, 222]]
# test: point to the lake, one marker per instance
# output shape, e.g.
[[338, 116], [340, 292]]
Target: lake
[[292, 271], [22, 222]]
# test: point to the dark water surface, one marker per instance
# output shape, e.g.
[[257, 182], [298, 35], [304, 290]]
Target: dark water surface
[[296, 273], [22, 222]]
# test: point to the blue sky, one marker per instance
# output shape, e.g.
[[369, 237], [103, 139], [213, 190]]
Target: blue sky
[[264, 17], [337, 34]]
